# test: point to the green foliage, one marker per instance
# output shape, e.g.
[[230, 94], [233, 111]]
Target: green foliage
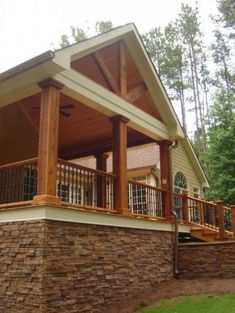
[[227, 10], [221, 151], [103, 26], [155, 44], [221, 53], [195, 304], [78, 34]]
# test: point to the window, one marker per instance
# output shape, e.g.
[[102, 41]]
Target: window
[[180, 183], [63, 192], [180, 186], [30, 183], [138, 196], [196, 192]]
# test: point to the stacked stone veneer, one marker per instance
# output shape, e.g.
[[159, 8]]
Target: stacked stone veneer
[[207, 260], [53, 266]]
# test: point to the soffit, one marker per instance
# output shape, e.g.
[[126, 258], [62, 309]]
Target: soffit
[[82, 132]]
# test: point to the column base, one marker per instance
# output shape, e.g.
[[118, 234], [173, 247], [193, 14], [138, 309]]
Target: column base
[[124, 211], [44, 199]]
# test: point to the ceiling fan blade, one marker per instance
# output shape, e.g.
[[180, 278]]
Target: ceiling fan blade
[[67, 106], [65, 114]]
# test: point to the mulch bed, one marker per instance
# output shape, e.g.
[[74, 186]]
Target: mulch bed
[[171, 289]]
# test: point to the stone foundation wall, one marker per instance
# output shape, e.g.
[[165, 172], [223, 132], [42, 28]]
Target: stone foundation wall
[[21, 267], [53, 266], [207, 260]]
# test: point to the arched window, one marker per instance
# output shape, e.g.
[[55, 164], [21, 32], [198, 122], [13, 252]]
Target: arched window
[[180, 183]]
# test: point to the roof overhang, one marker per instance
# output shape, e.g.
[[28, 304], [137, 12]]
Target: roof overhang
[[22, 80], [135, 46]]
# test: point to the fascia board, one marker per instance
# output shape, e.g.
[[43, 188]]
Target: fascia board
[[92, 94], [24, 84], [154, 85], [82, 48]]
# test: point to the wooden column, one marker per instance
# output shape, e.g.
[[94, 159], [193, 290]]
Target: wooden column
[[101, 164], [166, 179], [48, 141], [220, 208], [120, 163], [185, 207]]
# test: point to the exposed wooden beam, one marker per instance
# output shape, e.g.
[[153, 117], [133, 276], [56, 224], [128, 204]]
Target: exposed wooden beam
[[94, 148], [28, 117], [136, 92], [105, 72], [123, 69]]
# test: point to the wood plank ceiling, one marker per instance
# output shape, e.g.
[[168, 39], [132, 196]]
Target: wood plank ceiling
[[83, 130]]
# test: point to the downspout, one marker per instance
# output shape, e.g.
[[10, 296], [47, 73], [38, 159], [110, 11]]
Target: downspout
[[175, 217]]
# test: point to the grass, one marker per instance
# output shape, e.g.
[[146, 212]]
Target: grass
[[205, 303]]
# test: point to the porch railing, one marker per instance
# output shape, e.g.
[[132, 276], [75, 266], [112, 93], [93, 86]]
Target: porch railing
[[145, 199], [80, 185], [18, 181], [210, 214]]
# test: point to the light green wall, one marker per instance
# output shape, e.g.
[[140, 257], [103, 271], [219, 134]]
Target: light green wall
[[181, 162]]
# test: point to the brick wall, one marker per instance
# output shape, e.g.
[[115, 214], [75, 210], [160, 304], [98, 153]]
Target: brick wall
[[52, 266], [210, 260]]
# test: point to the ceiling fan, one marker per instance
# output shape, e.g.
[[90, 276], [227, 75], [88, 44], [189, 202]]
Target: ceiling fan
[[62, 109]]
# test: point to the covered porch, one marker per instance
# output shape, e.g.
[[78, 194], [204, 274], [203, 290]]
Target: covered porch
[[55, 130]]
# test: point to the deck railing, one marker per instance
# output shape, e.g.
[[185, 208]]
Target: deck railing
[[210, 214], [80, 185], [145, 199], [18, 181]]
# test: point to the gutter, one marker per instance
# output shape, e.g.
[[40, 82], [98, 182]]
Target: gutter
[[41, 58], [175, 217]]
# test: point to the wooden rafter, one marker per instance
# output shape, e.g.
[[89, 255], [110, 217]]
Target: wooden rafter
[[28, 117], [78, 151], [123, 69], [136, 92], [105, 72]]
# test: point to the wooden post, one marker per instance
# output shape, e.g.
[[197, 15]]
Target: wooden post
[[185, 207], [233, 219], [201, 212], [220, 208], [48, 141], [120, 163], [166, 179], [101, 164]]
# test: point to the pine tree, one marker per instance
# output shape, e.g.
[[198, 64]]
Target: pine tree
[[155, 44], [221, 151], [192, 38]]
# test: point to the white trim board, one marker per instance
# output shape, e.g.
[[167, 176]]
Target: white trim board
[[85, 217]]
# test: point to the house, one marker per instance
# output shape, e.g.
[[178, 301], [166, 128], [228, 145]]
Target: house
[[71, 228]]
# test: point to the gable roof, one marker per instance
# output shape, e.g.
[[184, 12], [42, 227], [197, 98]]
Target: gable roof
[[21, 81]]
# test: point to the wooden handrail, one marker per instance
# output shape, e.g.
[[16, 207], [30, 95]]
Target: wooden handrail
[[146, 186], [91, 170], [18, 163]]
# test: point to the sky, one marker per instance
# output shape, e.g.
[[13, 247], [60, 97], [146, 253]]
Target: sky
[[30, 27]]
